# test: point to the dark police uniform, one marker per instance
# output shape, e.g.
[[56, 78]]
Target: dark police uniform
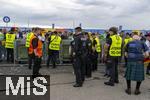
[[79, 59], [88, 67]]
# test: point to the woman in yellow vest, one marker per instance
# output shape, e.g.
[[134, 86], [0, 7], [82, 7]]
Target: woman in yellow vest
[[113, 53], [10, 39], [53, 48]]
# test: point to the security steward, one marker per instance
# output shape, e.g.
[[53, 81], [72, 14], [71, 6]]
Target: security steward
[[112, 53], [54, 42], [126, 41], [9, 45], [28, 39], [96, 51], [79, 57], [88, 54], [35, 49]]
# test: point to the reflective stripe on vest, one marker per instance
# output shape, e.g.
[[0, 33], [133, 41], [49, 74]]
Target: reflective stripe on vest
[[98, 46], [28, 38], [10, 38], [115, 48], [55, 43]]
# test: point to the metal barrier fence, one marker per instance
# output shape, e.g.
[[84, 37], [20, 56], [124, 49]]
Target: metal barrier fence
[[21, 53]]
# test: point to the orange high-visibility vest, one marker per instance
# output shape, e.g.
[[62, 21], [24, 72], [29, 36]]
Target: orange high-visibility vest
[[38, 49]]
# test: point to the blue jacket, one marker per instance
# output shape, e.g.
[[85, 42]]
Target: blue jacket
[[135, 50]]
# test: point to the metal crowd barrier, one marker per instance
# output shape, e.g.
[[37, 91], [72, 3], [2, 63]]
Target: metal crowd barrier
[[64, 52], [21, 53]]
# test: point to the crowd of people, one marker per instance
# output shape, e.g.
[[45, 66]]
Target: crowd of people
[[133, 46], [85, 49]]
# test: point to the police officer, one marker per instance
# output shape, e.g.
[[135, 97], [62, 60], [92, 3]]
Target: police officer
[[53, 48], [113, 52], [96, 51], [36, 49], [10, 39], [88, 54], [79, 57], [28, 39]]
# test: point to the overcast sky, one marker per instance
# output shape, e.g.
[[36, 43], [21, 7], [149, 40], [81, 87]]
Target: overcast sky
[[132, 14]]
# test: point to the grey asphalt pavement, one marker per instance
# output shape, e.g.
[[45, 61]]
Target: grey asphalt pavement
[[62, 79]]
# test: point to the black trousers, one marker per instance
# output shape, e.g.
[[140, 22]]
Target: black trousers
[[79, 69], [10, 54], [125, 59], [30, 59], [148, 69], [37, 65], [113, 61], [88, 66], [94, 61], [52, 56]]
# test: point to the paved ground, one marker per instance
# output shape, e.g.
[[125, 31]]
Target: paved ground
[[62, 80]]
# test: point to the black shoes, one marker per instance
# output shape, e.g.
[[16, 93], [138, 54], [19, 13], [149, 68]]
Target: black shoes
[[117, 82], [29, 67], [36, 75], [128, 91], [148, 73], [77, 85], [137, 92], [109, 83]]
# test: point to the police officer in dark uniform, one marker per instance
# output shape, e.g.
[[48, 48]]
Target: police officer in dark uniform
[[88, 54], [79, 57]]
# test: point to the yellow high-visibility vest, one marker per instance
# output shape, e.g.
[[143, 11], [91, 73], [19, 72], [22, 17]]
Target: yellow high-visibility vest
[[127, 40], [28, 38], [10, 39], [98, 46], [55, 42], [115, 48]]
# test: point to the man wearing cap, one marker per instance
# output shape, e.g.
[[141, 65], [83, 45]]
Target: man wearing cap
[[78, 64]]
